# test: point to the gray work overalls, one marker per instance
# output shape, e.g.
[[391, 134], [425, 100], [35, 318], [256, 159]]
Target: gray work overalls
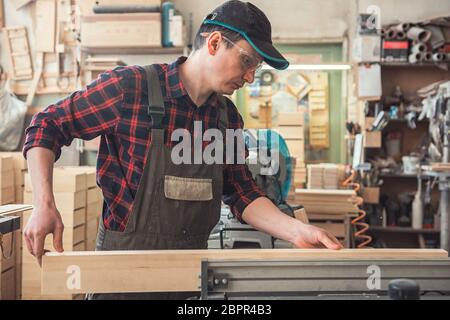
[[176, 206]]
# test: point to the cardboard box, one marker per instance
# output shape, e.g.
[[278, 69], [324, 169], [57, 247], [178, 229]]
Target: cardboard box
[[372, 139], [129, 30]]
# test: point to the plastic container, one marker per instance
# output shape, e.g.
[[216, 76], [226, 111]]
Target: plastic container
[[168, 11]]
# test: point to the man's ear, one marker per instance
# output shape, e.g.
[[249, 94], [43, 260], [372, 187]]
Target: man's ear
[[213, 42]]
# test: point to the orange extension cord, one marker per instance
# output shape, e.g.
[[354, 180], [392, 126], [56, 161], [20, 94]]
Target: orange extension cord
[[360, 225]]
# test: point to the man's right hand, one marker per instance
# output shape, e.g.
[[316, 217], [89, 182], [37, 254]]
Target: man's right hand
[[43, 221]]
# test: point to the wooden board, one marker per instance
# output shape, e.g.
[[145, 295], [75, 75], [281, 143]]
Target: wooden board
[[45, 31], [178, 270], [326, 201], [6, 179], [8, 285], [18, 50], [6, 163], [64, 180], [7, 195], [291, 119]]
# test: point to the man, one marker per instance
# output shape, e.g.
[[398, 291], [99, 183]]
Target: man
[[149, 202]]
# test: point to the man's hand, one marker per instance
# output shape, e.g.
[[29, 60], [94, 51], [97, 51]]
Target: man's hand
[[309, 236], [263, 215], [43, 221]]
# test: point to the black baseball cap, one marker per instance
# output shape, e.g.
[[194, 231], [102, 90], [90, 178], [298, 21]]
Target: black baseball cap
[[252, 24]]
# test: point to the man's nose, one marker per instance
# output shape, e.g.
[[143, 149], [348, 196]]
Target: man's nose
[[249, 76]]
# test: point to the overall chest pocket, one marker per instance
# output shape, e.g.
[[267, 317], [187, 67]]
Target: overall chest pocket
[[187, 207], [188, 189]]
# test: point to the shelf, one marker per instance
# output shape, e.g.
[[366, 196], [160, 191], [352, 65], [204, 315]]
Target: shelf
[[403, 230], [133, 50], [442, 65], [401, 175]]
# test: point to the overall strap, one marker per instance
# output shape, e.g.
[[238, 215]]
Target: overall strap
[[155, 107]]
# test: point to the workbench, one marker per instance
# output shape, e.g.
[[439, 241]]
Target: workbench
[[244, 271]]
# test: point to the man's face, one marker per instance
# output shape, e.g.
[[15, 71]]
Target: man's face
[[232, 67]]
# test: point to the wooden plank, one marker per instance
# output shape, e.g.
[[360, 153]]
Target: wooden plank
[[7, 195], [6, 179], [65, 201], [64, 180], [178, 270], [12, 209], [19, 162], [290, 119], [8, 285], [290, 132], [6, 163], [45, 11]]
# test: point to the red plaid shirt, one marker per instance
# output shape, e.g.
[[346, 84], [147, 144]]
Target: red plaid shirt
[[114, 107]]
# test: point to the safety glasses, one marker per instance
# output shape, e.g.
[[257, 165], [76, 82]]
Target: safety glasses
[[248, 62]]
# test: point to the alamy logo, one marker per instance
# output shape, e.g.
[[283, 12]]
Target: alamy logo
[[74, 279], [374, 21], [374, 279], [190, 150]]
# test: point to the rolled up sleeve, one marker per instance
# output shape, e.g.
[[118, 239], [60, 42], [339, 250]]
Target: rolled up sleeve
[[85, 114]]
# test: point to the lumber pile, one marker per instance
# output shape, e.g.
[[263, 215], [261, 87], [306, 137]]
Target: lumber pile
[[178, 270], [325, 176], [326, 201], [78, 200], [19, 169], [6, 180], [11, 268]]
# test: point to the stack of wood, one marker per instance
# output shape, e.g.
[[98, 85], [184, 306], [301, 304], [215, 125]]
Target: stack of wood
[[325, 176], [291, 128], [94, 206], [6, 180], [11, 268], [298, 178], [326, 201], [318, 110], [20, 168], [78, 201]]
